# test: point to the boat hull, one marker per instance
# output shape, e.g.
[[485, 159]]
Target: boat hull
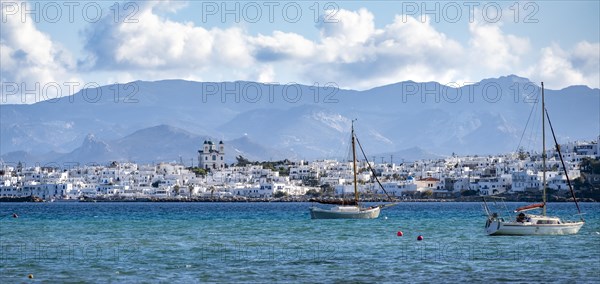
[[498, 228], [344, 213]]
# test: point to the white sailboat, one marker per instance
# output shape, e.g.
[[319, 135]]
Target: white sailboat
[[345, 212], [348, 209], [534, 224]]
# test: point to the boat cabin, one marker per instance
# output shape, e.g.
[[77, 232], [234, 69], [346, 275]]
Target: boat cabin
[[539, 220]]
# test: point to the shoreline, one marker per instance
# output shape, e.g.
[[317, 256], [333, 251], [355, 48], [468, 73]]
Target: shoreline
[[35, 199]]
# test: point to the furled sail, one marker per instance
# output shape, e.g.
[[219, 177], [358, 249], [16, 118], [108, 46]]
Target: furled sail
[[530, 207]]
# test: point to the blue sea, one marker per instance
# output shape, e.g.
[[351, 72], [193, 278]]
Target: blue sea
[[278, 242]]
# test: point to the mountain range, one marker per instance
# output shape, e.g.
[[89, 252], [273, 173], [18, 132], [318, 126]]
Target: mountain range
[[168, 120]]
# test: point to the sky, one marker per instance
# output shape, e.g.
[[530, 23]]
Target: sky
[[54, 48]]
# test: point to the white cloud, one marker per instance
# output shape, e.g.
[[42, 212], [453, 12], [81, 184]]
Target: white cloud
[[157, 43], [30, 57], [349, 51], [404, 50], [498, 52], [347, 27], [419, 42], [346, 36], [154, 42], [232, 48], [281, 46], [266, 74], [560, 68], [586, 57]]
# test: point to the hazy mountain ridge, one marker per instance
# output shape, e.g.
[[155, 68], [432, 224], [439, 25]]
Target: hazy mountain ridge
[[149, 145], [482, 118]]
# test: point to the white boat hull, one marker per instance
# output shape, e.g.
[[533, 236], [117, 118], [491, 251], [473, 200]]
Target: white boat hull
[[497, 227], [345, 212]]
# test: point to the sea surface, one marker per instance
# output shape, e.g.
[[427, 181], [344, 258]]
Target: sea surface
[[279, 243]]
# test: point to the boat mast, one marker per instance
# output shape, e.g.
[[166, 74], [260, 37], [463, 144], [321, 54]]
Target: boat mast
[[543, 153], [562, 161], [354, 164]]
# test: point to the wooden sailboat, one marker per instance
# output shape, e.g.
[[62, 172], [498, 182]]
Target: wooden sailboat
[[348, 209], [532, 224]]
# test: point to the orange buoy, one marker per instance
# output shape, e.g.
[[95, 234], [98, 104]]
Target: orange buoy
[[399, 234], [419, 238]]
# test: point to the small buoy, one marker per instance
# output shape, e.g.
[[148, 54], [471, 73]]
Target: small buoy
[[14, 215], [399, 234], [419, 238], [30, 276], [384, 217]]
